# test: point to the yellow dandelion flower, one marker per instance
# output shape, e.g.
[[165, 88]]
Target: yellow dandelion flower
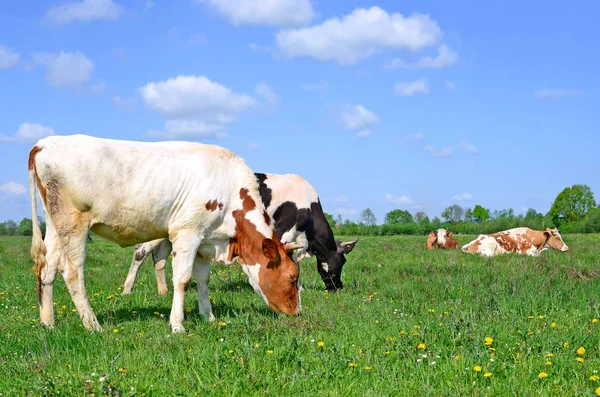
[[580, 359], [529, 317], [403, 333], [321, 344], [457, 357], [581, 351], [487, 374], [352, 365], [431, 311], [553, 324], [116, 331], [367, 368], [156, 313], [550, 355], [542, 375], [488, 340], [122, 370], [222, 323], [548, 363], [540, 316], [594, 378], [598, 391], [230, 351], [417, 327], [595, 320], [74, 310], [188, 309], [421, 346], [477, 368], [566, 345], [387, 352], [269, 351]]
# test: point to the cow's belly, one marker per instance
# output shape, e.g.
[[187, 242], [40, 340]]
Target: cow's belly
[[127, 235]]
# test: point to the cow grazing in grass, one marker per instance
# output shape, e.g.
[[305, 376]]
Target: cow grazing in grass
[[520, 240], [295, 211], [203, 198], [441, 239]]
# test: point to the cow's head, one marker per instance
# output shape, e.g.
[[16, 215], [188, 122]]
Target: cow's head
[[330, 266], [266, 261], [554, 240], [441, 236]]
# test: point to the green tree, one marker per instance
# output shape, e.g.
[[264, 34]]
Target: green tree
[[25, 227], [480, 214], [453, 214], [330, 219], [532, 214], [339, 220], [420, 216], [572, 204], [436, 223], [398, 216], [368, 217], [11, 227]]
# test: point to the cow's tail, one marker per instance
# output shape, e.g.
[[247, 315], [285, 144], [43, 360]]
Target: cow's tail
[[38, 248]]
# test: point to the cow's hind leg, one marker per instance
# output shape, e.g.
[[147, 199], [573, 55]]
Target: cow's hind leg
[[73, 233], [159, 256], [139, 256], [48, 274], [185, 247], [202, 276]]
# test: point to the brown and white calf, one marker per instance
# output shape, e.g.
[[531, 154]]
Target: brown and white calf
[[520, 240], [295, 211], [202, 198], [441, 239]]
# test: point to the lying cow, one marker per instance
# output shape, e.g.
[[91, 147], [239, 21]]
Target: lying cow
[[295, 211], [203, 198], [441, 239], [520, 240]]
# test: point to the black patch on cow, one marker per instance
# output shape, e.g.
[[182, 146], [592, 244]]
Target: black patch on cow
[[264, 191], [140, 253], [285, 217]]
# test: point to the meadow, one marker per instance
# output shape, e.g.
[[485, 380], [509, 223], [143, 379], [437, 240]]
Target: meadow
[[408, 322]]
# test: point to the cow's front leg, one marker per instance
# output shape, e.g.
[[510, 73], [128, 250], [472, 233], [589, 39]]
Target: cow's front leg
[[202, 276], [185, 247]]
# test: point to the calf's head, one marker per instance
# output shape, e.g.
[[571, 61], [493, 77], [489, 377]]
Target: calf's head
[[554, 240], [330, 265]]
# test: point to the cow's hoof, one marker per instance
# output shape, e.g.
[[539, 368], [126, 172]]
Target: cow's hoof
[[178, 329]]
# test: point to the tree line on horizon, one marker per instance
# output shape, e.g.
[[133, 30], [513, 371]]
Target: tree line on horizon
[[573, 211]]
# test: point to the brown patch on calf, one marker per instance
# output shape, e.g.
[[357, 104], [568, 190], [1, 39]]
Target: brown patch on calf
[[432, 241], [451, 243], [506, 241], [213, 204], [473, 246]]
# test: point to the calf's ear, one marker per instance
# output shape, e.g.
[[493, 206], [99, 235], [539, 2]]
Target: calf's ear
[[448, 234], [269, 248]]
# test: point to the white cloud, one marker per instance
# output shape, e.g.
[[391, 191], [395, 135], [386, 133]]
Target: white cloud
[[84, 11], [358, 35], [253, 146], [13, 187], [322, 87], [98, 87], [264, 91], [546, 93], [124, 103], [341, 198], [445, 58], [189, 129], [409, 88], [462, 197], [263, 12], [347, 211], [28, 133], [358, 117], [9, 58], [67, 69], [448, 151], [363, 134], [194, 96], [449, 85], [397, 199], [415, 137]]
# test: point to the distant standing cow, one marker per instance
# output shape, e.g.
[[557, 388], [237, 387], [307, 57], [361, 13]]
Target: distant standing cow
[[297, 216], [520, 240], [441, 239]]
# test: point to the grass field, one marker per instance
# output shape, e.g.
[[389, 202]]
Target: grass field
[[409, 322]]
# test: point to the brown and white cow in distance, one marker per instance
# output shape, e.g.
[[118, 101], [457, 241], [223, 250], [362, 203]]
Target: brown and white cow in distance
[[520, 240], [441, 239], [203, 198], [295, 211]]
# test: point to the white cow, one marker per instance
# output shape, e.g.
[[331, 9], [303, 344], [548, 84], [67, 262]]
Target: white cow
[[203, 198]]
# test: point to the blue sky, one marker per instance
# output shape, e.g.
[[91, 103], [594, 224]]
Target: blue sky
[[382, 104]]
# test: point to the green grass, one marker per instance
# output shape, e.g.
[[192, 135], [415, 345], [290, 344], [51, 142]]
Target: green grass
[[397, 296]]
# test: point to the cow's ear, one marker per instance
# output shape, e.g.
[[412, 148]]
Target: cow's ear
[[435, 232], [448, 234], [291, 247], [271, 252]]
